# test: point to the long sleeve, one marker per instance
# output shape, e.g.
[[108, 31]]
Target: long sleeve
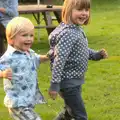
[[12, 8], [94, 55]]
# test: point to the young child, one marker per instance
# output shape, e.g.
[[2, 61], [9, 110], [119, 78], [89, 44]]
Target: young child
[[69, 57], [22, 92]]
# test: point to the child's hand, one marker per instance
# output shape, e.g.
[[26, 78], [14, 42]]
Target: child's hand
[[104, 53], [7, 74], [53, 94], [50, 53]]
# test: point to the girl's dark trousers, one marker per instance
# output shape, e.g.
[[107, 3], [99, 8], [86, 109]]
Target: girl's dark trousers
[[72, 98], [2, 38]]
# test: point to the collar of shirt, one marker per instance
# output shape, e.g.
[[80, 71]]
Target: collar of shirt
[[71, 25], [11, 50]]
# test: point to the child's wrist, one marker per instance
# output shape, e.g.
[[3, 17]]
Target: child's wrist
[[1, 74], [48, 55], [4, 74]]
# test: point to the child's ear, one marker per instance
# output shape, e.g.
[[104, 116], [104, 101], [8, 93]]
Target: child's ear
[[11, 42]]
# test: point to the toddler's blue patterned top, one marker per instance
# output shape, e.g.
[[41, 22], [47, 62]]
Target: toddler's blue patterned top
[[23, 89], [2, 67]]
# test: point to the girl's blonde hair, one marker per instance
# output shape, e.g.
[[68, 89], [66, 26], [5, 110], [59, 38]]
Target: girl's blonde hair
[[69, 5], [18, 25]]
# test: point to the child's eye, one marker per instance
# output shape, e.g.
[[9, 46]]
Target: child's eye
[[79, 9], [87, 9], [31, 35], [24, 35]]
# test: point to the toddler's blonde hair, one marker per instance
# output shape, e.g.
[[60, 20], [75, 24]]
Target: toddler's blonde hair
[[18, 25], [71, 4]]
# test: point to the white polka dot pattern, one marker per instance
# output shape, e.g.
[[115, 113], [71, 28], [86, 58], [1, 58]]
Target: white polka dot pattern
[[71, 52]]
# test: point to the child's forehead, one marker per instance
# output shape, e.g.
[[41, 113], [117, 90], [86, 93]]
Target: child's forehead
[[23, 25], [26, 31], [82, 4]]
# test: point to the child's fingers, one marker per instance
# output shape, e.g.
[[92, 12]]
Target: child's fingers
[[7, 74], [53, 94], [10, 77], [104, 53]]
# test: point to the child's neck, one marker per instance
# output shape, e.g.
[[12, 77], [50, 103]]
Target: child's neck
[[27, 52]]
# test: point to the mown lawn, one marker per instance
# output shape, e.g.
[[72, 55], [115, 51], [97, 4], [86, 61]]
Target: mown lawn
[[101, 91]]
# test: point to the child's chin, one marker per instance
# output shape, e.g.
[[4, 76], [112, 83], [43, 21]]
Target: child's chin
[[24, 50]]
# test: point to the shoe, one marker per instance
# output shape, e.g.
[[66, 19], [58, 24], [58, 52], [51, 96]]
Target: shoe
[[64, 115]]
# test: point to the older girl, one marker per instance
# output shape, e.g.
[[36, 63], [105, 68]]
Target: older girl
[[70, 59]]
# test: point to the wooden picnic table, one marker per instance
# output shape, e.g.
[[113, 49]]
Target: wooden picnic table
[[28, 9], [35, 10]]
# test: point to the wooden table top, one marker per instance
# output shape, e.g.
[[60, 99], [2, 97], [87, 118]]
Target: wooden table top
[[27, 9]]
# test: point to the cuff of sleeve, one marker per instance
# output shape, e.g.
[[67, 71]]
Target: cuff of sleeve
[[6, 11], [9, 13], [98, 56], [54, 87]]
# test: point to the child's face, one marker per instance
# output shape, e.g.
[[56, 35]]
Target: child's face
[[79, 16], [23, 41]]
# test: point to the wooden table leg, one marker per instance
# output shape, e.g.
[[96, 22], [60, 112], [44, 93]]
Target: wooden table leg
[[58, 15], [48, 21], [37, 18]]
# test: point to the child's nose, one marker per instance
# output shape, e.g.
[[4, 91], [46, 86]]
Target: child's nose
[[84, 11], [29, 37]]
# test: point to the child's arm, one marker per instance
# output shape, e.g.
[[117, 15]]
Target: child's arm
[[93, 55], [44, 58], [6, 74]]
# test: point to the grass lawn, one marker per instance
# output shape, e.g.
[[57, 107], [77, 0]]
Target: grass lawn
[[101, 91]]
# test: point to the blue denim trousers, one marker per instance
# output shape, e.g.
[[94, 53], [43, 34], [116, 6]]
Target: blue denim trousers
[[72, 98]]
